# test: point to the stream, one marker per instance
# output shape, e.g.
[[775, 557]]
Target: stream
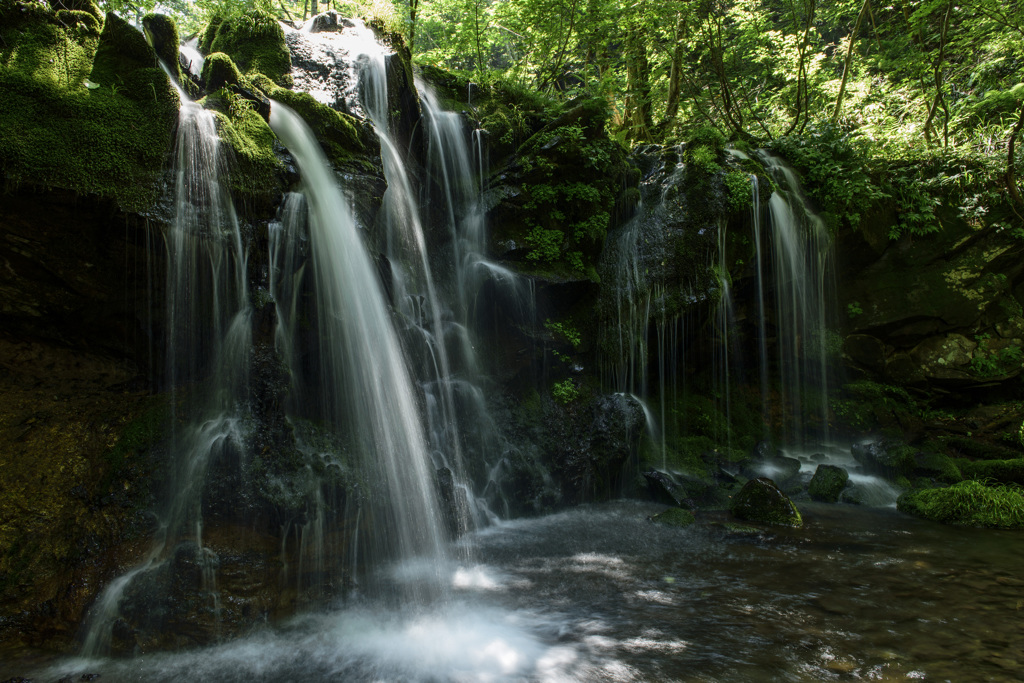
[[599, 593]]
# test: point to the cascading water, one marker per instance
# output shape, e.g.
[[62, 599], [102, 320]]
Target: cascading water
[[208, 323], [800, 260], [364, 366]]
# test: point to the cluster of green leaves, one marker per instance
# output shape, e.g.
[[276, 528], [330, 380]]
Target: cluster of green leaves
[[991, 363], [833, 162], [568, 214], [566, 330], [565, 392]]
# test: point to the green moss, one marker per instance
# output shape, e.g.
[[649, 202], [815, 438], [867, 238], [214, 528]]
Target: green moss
[[938, 467], [676, 517], [42, 46], [969, 503], [827, 483], [761, 501], [338, 133], [1002, 471], [741, 196], [256, 174], [219, 71], [113, 140], [255, 41], [162, 33]]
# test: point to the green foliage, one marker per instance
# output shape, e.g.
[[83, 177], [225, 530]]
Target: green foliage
[[986, 362], [968, 503], [565, 392], [853, 309], [546, 244], [703, 158], [741, 197], [833, 162], [566, 330]]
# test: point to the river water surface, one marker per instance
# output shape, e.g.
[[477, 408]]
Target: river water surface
[[599, 593]]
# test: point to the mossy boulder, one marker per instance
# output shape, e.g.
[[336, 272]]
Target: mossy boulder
[[219, 71], [1001, 471], [676, 517], [162, 33], [828, 483], [254, 40], [760, 500], [968, 503], [938, 467], [256, 175], [115, 132], [342, 137]]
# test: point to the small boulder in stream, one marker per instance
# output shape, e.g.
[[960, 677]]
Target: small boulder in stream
[[674, 517], [828, 483], [760, 500]]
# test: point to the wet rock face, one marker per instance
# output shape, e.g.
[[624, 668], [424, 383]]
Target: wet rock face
[[761, 501], [940, 312]]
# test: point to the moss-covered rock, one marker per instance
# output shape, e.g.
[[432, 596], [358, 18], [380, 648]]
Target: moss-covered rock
[[761, 501], [219, 71], [254, 40], [1001, 471], [256, 175], [115, 131], [162, 33], [968, 503], [343, 138], [568, 179], [938, 467], [828, 483], [676, 517]]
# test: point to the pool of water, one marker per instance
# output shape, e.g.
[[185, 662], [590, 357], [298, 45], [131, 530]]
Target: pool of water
[[599, 593]]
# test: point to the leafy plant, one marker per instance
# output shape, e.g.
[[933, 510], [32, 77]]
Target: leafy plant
[[565, 392]]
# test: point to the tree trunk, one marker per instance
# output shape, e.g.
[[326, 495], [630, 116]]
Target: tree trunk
[[939, 100], [803, 97], [638, 87], [849, 59], [674, 81], [413, 6]]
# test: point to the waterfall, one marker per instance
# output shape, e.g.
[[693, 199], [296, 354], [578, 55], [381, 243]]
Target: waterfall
[[208, 344], [799, 259], [364, 368]]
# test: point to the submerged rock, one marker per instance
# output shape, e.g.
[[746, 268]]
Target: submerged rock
[[664, 488], [674, 517], [828, 483], [760, 500]]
